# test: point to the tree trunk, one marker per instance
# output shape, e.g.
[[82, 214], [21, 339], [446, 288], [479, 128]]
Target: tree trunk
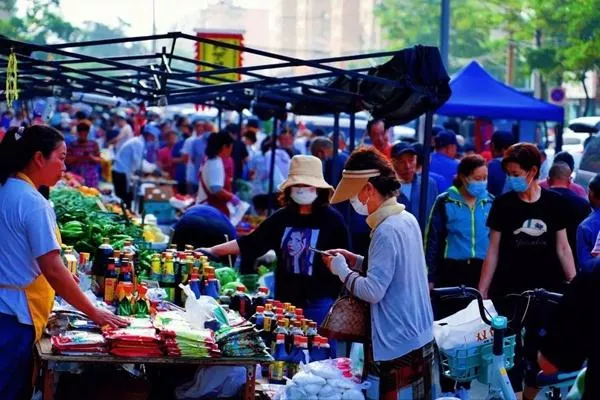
[[588, 100]]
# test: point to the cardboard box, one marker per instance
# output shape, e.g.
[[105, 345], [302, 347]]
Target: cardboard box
[[158, 193]]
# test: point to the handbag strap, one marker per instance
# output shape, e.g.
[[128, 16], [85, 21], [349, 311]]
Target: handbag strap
[[353, 284]]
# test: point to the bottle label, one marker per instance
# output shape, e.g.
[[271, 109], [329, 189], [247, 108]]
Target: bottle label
[[267, 324], [277, 370], [109, 289]]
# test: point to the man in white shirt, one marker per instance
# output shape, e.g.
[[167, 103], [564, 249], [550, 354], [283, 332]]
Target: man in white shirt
[[130, 160], [125, 131], [193, 154]]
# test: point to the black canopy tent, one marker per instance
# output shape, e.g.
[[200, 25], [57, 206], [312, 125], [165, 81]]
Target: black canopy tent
[[412, 82]]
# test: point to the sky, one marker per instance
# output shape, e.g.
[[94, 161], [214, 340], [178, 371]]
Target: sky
[[138, 13]]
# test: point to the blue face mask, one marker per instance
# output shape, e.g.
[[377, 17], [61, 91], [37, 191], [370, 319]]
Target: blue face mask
[[517, 184], [477, 188]]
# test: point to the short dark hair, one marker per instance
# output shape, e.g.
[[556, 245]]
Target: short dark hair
[[285, 198], [250, 135], [373, 122], [559, 170], [20, 145], [216, 142], [319, 143], [387, 183], [594, 186], [526, 155], [466, 167], [566, 158], [83, 126], [80, 115]]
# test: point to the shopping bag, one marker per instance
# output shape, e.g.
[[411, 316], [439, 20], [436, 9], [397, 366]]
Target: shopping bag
[[464, 327]]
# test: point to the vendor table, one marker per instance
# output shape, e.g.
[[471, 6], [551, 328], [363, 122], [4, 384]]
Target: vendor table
[[44, 352]]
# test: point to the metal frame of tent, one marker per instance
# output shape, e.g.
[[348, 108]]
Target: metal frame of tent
[[55, 70]]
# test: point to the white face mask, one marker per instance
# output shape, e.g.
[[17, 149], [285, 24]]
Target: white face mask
[[359, 207], [303, 195]]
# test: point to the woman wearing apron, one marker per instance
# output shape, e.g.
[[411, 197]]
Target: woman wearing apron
[[31, 269]]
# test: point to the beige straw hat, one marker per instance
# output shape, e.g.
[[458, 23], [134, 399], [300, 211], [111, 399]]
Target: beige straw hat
[[305, 170], [352, 182]]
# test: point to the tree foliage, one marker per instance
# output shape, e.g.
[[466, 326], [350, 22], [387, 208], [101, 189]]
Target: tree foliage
[[482, 30]]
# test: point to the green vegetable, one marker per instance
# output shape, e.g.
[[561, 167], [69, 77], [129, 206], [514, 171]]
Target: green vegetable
[[226, 275], [230, 288]]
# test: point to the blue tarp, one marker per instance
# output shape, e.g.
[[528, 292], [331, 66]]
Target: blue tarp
[[477, 93]]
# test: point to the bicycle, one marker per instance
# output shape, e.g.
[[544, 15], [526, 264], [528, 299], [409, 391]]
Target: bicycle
[[552, 385], [488, 363]]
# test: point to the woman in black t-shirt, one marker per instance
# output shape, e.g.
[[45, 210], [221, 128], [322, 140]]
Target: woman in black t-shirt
[[528, 242], [305, 222]]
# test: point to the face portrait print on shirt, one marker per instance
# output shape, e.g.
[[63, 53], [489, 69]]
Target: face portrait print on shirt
[[295, 250]]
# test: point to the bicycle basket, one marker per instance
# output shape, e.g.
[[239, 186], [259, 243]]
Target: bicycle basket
[[465, 363]]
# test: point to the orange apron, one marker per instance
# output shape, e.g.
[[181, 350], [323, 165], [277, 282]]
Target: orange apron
[[39, 293]]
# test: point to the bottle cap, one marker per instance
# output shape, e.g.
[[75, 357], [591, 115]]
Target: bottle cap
[[260, 309], [241, 288], [297, 324], [263, 290], [312, 324], [299, 312]]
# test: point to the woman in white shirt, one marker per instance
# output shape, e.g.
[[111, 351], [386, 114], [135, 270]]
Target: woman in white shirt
[[31, 269], [215, 187]]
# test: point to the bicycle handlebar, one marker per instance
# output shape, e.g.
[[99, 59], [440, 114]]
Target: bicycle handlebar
[[542, 294], [463, 291]]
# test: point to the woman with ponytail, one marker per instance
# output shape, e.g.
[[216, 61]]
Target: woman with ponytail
[[31, 269]]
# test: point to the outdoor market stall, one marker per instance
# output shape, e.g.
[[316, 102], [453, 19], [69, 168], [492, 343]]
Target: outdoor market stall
[[412, 82]]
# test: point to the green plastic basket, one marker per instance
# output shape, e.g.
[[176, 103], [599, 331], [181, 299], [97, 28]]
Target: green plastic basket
[[469, 362]]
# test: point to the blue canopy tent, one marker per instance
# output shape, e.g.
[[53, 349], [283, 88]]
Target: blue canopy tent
[[477, 93]]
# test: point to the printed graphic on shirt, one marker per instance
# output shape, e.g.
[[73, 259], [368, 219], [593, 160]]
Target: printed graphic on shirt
[[533, 227], [297, 257]]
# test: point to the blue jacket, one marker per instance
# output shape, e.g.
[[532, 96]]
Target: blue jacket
[[496, 177], [587, 232], [445, 166], [412, 203], [455, 231]]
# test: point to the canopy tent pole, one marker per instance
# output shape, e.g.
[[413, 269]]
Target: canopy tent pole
[[272, 169], [352, 132], [219, 119], [425, 172], [332, 170], [240, 125]]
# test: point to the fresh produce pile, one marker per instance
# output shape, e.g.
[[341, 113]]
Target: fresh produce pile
[[84, 226]]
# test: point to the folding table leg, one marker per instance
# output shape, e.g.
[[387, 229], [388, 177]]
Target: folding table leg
[[48, 381], [250, 386]]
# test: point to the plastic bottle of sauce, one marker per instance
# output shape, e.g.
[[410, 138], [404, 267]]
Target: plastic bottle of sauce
[[278, 369], [167, 280], [261, 297], [110, 282], [156, 267], [195, 284], [104, 251], [311, 333], [279, 330], [241, 302], [298, 355]]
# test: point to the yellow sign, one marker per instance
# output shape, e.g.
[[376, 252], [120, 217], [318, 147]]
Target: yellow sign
[[214, 56]]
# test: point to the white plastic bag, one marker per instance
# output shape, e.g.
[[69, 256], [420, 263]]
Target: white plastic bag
[[327, 390], [325, 370], [307, 378], [464, 327], [353, 394], [236, 213], [198, 311]]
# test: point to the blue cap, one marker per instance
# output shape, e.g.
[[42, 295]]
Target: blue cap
[[152, 129], [502, 140], [400, 148], [445, 138]]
